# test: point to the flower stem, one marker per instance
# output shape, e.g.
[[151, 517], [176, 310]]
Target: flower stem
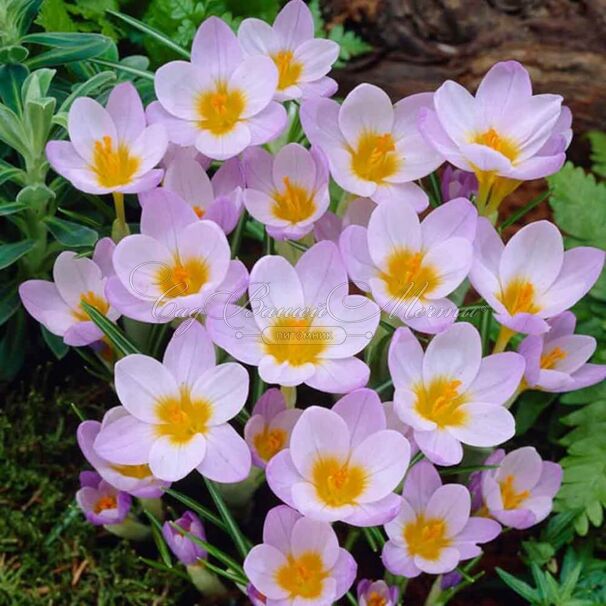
[[505, 335], [119, 228]]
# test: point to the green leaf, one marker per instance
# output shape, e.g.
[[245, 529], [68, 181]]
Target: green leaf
[[11, 131], [13, 54], [67, 48], [12, 350], [233, 529], [579, 205], [55, 343], [9, 253], [116, 337], [9, 302], [71, 234], [598, 152], [35, 196], [11, 80], [54, 17], [10, 208], [529, 407], [199, 509], [152, 33], [124, 68], [519, 586], [90, 87], [156, 528], [8, 172]]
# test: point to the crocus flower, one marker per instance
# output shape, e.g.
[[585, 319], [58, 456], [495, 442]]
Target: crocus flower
[[137, 480], [449, 394], [374, 148], [268, 430], [175, 266], [394, 422], [456, 183], [101, 503], [58, 305], [410, 266], [218, 199], [520, 492], [302, 60], [110, 149], [505, 134], [289, 192], [531, 278], [179, 411], [433, 531], [303, 327], [299, 562], [377, 593], [556, 361], [255, 596], [221, 101], [343, 463], [185, 550], [330, 226]]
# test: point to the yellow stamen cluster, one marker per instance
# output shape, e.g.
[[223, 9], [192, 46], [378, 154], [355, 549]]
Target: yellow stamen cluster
[[113, 165]]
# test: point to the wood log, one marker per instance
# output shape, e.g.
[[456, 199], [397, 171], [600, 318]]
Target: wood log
[[420, 43]]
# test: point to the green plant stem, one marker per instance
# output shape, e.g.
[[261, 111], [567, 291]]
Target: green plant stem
[[233, 529], [516, 216], [202, 511], [236, 239]]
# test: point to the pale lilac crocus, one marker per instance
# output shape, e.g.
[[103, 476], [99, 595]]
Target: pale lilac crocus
[[221, 101], [175, 266], [457, 183], [531, 278], [374, 148], [377, 593], [302, 60], [185, 550], [449, 394], [505, 134], [218, 199], [299, 562], [111, 149], [411, 266], [433, 531], [330, 225], [136, 480], [57, 305], [268, 430], [519, 492], [101, 503], [394, 422], [556, 361], [303, 326], [287, 192], [342, 464], [178, 412]]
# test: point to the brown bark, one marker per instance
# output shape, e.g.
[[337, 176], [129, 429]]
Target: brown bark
[[420, 43]]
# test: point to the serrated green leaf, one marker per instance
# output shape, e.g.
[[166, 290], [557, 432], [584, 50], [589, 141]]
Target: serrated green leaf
[[579, 205], [71, 234], [10, 253], [520, 587], [598, 152]]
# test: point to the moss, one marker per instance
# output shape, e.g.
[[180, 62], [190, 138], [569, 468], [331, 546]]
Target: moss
[[48, 553]]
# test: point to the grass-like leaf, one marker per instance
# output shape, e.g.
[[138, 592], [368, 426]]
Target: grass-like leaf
[[112, 331]]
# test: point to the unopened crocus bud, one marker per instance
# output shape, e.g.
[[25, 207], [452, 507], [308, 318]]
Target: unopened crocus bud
[[185, 550], [450, 579], [377, 593], [457, 183], [101, 503]]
